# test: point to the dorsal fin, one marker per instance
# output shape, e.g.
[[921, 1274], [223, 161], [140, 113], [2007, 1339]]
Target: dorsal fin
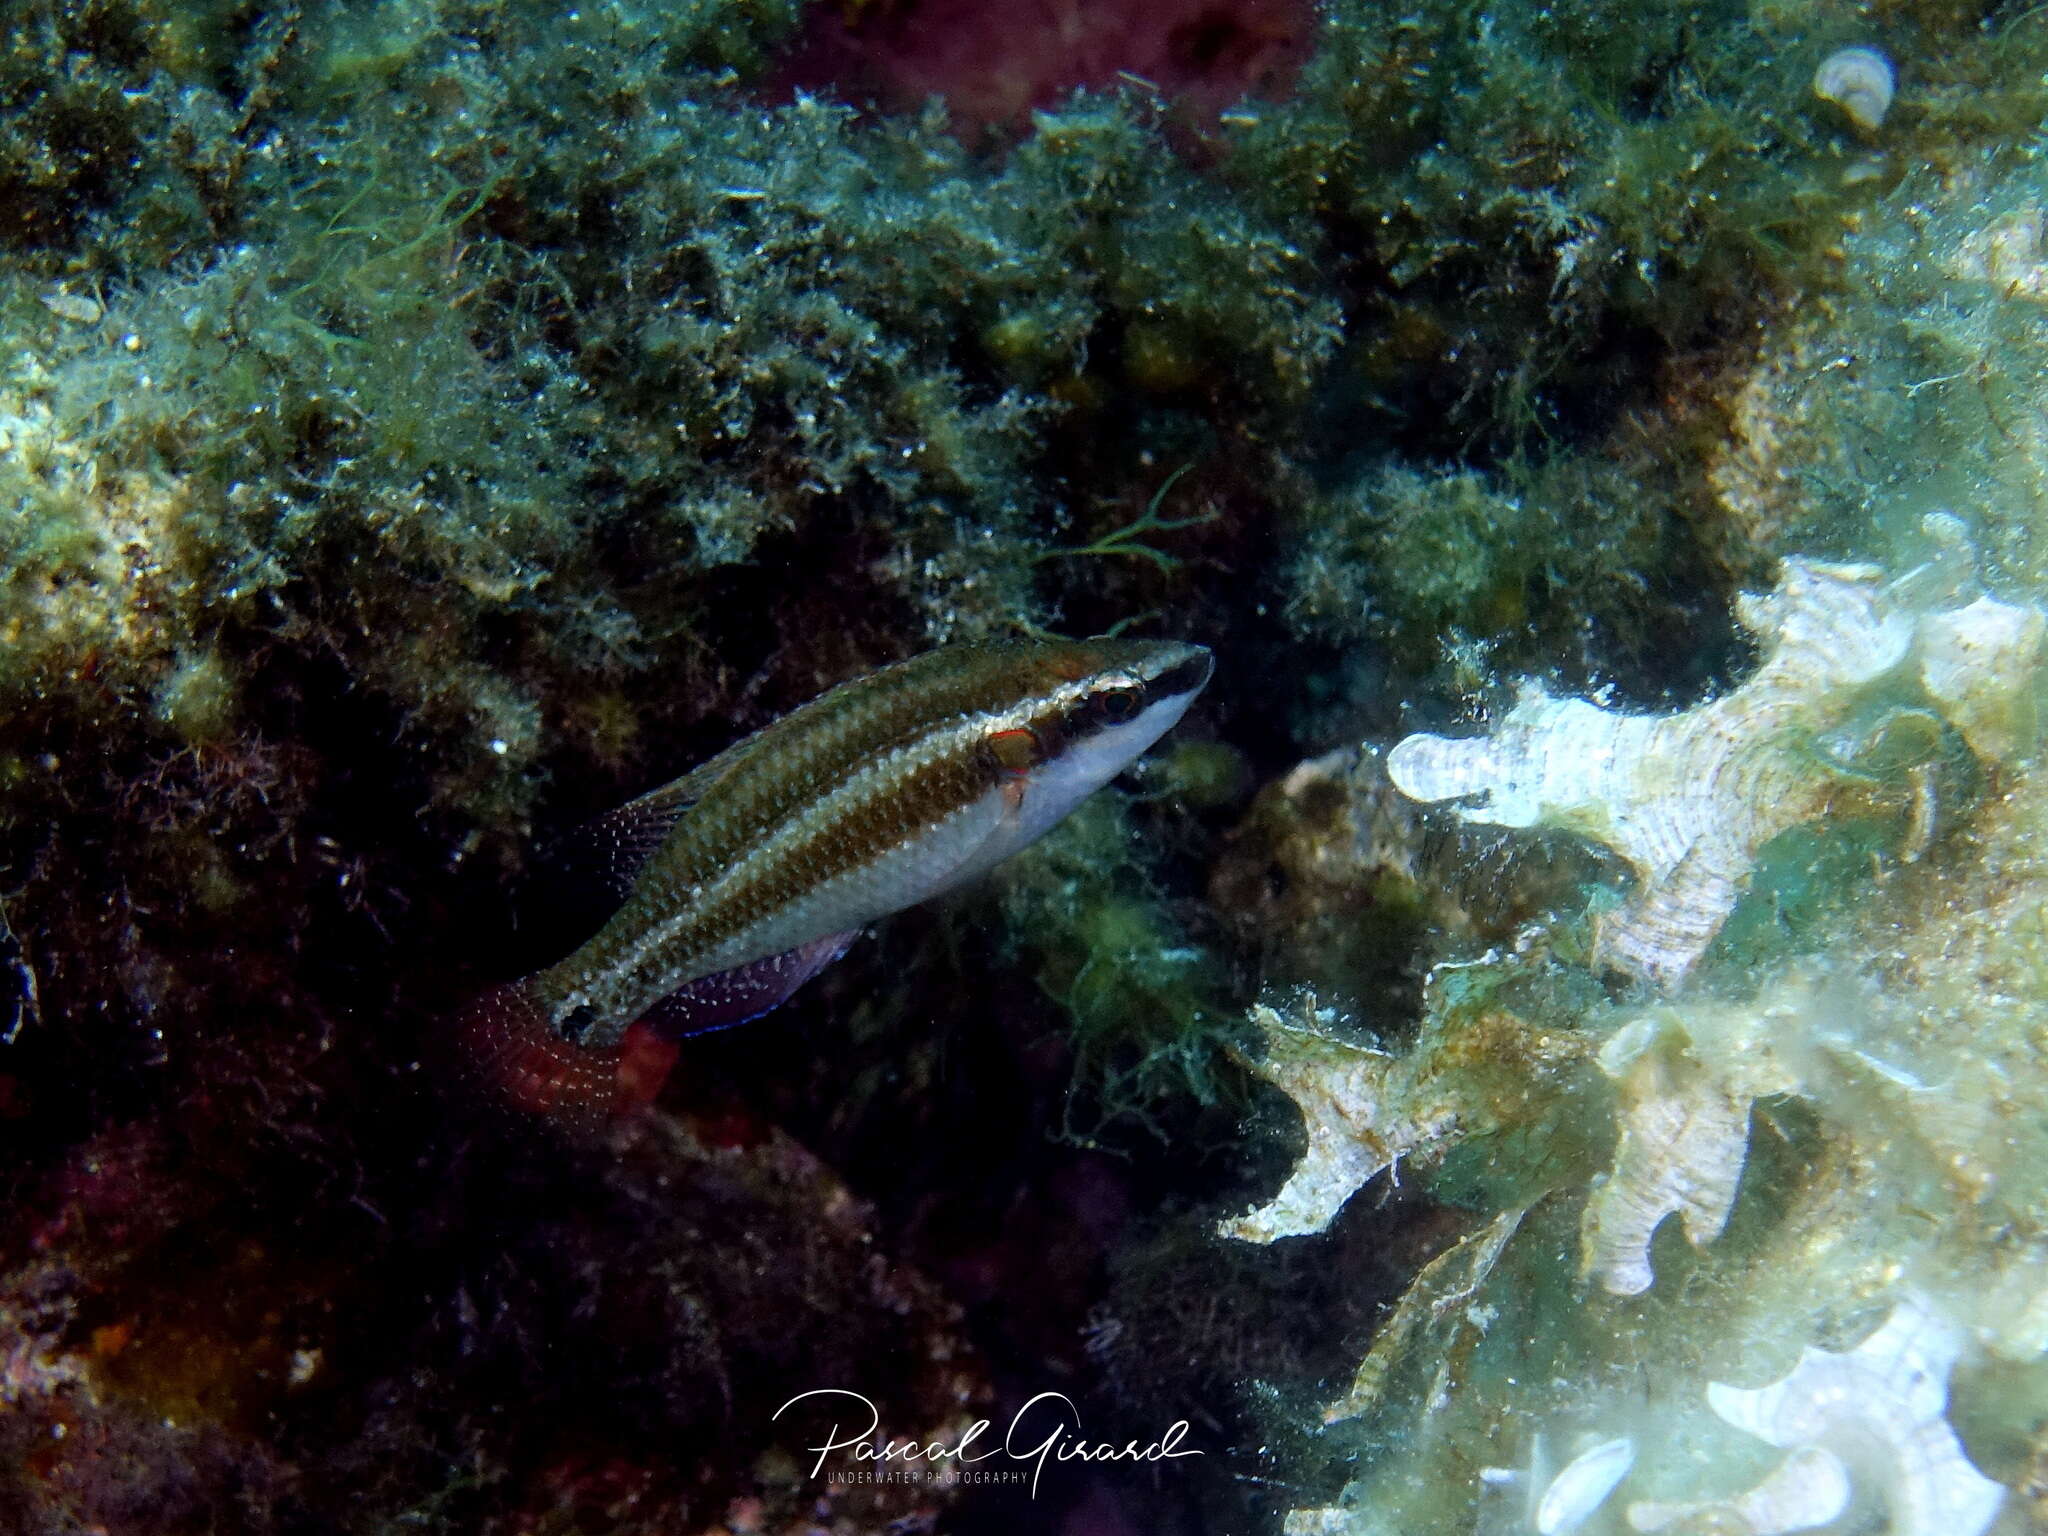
[[604, 856], [583, 875]]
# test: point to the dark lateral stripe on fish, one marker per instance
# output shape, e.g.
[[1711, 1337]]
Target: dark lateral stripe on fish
[[897, 794], [845, 831], [1186, 677]]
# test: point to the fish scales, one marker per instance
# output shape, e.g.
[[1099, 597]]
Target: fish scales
[[862, 770], [883, 792]]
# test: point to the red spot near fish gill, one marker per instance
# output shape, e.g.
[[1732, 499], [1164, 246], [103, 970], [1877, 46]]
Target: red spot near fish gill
[[645, 1060]]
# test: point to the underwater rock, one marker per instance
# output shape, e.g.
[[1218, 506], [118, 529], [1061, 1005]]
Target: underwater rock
[[1883, 1407], [1324, 879], [1688, 800], [993, 73], [1779, 438], [101, 558], [163, 1356], [2005, 253]]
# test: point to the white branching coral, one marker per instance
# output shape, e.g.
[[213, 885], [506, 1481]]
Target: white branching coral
[[1688, 800]]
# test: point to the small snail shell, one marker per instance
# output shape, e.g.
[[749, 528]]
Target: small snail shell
[[1860, 82]]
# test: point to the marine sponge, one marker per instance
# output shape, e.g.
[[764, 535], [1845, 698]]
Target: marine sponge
[[1689, 800]]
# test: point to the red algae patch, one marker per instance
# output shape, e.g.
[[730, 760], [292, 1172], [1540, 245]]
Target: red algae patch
[[993, 65]]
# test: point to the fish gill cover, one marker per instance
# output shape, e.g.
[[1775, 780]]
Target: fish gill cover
[[425, 425]]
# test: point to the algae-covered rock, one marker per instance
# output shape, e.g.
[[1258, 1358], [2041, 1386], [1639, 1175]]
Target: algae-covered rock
[[170, 1356]]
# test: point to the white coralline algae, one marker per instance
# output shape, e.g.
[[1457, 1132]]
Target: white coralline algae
[[1688, 800], [1684, 1137], [1881, 1409], [1978, 663], [1809, 1488], [1343, 1094], [1582, 1486]]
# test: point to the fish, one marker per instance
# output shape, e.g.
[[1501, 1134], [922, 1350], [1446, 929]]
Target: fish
[[741, 880]]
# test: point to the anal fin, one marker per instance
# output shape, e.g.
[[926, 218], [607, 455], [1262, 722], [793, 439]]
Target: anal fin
[[509, 1047], [726, 998]]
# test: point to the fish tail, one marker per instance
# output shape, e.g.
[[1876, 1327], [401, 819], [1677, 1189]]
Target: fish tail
[[515, 1057], [510, 1051]]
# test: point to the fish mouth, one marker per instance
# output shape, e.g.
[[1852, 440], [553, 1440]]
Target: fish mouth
[[1186, 670]]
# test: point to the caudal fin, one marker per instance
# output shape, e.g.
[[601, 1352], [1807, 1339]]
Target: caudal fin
[[514, 1056]]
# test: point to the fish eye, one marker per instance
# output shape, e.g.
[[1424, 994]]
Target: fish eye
[[1117, 702]]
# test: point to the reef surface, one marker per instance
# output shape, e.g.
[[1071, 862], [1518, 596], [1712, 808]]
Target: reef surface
[[1602, 443]]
